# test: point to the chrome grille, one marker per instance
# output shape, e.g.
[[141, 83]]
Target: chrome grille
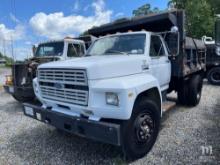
[[67, 76], [64, 85]]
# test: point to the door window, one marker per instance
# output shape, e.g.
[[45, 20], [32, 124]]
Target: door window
[[75, 50], [156, 47]]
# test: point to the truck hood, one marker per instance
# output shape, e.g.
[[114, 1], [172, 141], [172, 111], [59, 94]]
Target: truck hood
[[102, 67]]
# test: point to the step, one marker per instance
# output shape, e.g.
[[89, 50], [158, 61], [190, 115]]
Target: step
[[168, 105]]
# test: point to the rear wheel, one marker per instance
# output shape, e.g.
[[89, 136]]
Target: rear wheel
[[191, 91], [182, 94], [195, 90], [139, 133], [214, 76]]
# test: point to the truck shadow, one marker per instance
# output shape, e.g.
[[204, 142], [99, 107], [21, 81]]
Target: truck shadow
[[45, 145]]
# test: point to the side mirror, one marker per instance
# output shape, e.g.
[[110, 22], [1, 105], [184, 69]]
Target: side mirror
[[172, 41]]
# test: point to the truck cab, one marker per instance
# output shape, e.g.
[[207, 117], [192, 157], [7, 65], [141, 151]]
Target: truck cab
[[114, 64], [60, 49]]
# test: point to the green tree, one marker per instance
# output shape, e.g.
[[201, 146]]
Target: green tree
[[144, 10], [215, 4], [199, 17]]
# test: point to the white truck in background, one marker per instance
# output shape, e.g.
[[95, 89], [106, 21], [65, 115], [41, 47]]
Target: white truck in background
[[115, 93], [19, 83]]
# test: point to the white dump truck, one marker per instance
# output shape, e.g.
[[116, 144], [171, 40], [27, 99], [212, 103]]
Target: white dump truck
[[114, 94]]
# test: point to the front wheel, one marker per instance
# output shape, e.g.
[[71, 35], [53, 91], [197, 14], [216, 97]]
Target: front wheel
[[213, 76], [140, 132]]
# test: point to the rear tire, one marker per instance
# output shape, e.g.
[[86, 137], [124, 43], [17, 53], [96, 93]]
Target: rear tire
[[183, 93], [140, 132], [190, 92], [195, 90], [213, 76]]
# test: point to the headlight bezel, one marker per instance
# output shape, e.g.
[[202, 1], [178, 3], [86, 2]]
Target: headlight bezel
[[112, 98]]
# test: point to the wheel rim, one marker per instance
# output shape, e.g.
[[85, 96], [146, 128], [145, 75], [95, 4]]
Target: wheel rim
[[215, 76], [144, 127]]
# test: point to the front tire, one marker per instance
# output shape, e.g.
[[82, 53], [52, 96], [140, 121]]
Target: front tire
[[213, 76], [140, 132]]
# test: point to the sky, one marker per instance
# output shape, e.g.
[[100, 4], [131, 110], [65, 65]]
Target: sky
[[29, 22]]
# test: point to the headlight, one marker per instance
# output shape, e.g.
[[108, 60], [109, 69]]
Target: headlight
[[112, 98]]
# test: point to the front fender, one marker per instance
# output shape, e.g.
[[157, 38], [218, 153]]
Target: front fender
[[128, 89]]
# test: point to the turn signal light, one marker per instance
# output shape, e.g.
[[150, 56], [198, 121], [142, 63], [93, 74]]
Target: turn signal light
[[9, 80]]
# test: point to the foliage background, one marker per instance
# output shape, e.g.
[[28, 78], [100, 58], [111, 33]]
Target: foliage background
[[200, 15]]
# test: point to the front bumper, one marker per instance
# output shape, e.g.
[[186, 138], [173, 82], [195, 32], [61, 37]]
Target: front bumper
[[96, 130]]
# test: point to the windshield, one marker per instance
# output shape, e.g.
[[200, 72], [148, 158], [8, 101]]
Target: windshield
[[119, 44], [50, 49]]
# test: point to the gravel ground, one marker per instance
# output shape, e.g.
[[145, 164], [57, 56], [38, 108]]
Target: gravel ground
[[184, 131]]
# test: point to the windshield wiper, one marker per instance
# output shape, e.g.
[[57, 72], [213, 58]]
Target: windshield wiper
[[116, 51]]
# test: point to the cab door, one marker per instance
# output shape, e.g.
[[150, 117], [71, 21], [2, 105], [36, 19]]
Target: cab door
[[160, 65]]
